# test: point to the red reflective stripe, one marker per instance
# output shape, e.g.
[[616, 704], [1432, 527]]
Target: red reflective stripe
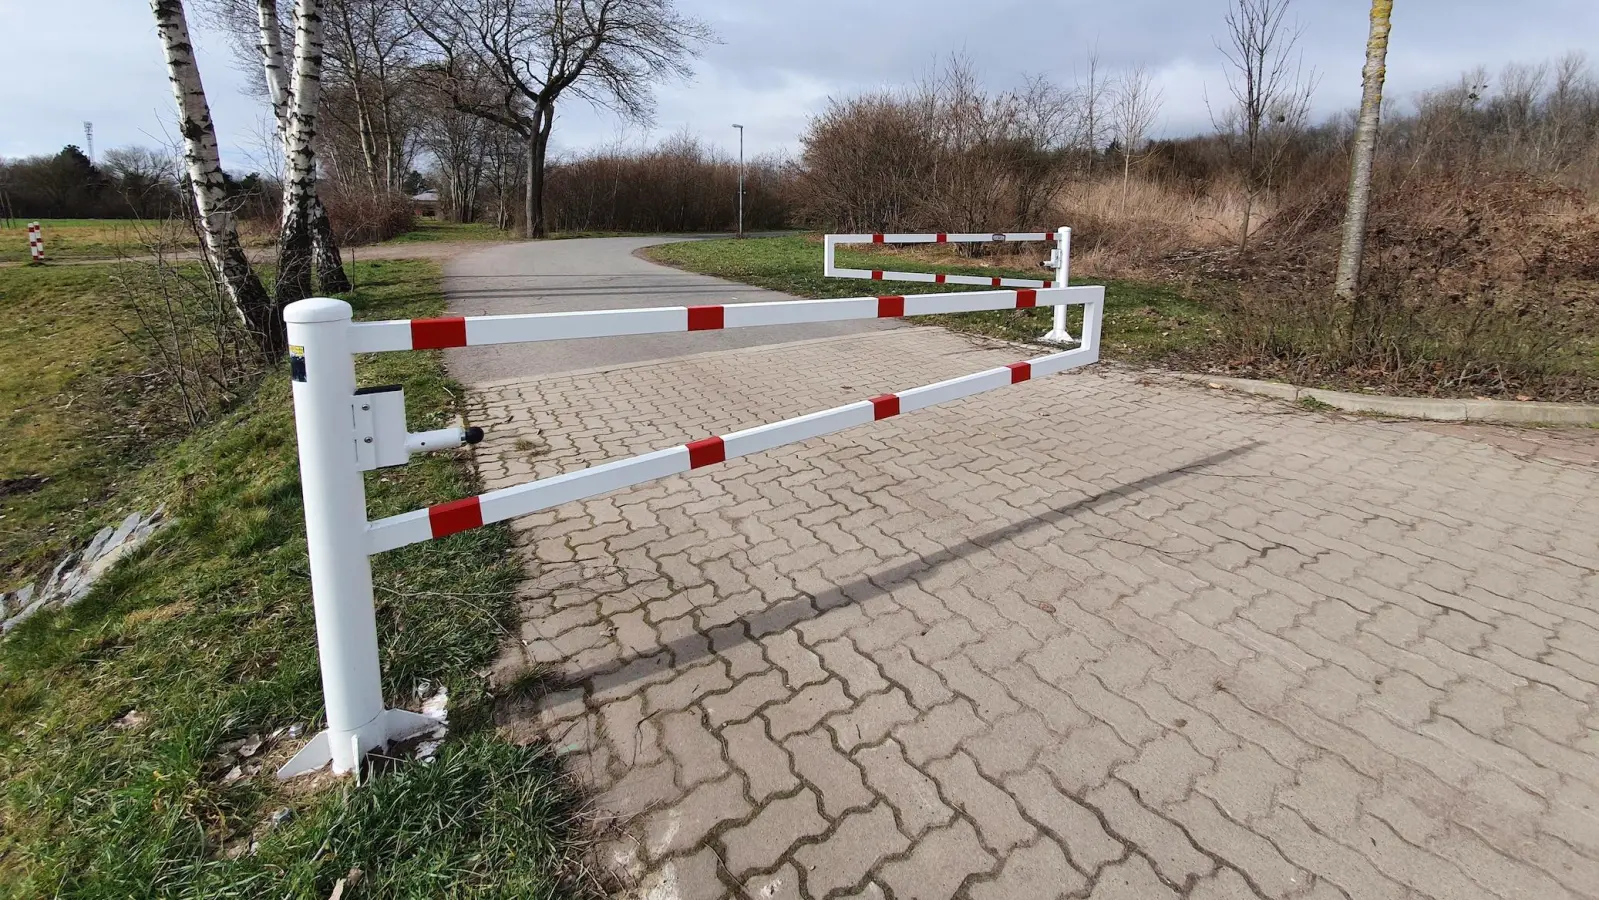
[[943, 238], [877, 275], [885, 406], [458, 515], [707, 452], [890, 307], [997, 281], [939, 279], [705, 318], [877, 239], [436, 334], [1026, 299], [1020, 372], [1049, 238], [1049, 284]]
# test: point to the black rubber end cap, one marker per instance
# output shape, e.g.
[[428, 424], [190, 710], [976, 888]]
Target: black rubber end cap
[[474, 435]]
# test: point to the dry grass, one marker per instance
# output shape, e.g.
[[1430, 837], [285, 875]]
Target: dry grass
[[1133, 234]]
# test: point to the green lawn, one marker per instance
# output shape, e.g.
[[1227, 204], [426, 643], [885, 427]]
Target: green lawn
[[111, 713], [107, 239], [70, 409], [429, 230], [1144, 322]]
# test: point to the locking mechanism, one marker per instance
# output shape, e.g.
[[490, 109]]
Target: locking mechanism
[[381, 441]]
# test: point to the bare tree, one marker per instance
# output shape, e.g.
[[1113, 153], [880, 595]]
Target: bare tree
[[1365, 148], [1269, 87], [1092, 90], [369, 60], [203, 164], [534, 52], [1135, 103]]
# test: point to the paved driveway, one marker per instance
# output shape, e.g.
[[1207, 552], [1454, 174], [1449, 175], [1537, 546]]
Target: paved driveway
[[600, 273], [1094, 635]]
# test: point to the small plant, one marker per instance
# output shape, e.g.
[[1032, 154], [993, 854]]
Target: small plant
[[196, 352]]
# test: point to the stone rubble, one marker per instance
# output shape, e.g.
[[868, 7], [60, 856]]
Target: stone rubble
[[77, 572]]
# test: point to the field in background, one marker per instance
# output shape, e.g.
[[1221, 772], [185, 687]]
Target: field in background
[[113, 714], [107, 239], [1143, 322]]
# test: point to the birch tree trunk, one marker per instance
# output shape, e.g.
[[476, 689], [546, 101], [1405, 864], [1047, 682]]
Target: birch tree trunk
[[1350, 255], [329, 265], [204, 167], [295, 261]]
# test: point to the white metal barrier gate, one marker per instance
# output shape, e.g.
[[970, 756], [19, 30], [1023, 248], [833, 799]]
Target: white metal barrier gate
[[1059, 260], [344, 431]]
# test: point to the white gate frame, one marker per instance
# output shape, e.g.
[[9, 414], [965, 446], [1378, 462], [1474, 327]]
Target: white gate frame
[[343, 431], [1059, 260]]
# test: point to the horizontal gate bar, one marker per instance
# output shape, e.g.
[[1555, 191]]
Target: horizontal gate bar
[[831, 242], [943, 238], [936, 278], [526, 499], [471, 331]]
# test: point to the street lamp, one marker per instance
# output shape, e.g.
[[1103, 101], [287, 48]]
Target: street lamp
[[740, 179]]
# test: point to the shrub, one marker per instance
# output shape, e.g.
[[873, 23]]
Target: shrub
[[679, 186], [364, 217]]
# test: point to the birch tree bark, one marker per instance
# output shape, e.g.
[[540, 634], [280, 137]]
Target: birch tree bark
[[204, 167], [295, 261], [329, 265], [1353, 250]]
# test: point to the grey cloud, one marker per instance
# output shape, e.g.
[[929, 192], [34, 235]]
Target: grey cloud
[[779, 60]]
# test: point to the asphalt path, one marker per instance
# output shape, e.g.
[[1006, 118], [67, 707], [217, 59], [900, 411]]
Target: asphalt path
[[599, 273]]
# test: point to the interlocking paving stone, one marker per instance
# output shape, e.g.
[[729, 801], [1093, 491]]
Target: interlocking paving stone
[[1100, 634]]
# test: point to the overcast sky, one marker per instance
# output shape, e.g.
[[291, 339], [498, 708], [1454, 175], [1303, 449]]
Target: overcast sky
[[779, 60]]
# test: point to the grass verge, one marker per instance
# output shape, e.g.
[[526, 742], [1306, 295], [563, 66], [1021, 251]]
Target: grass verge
[[70, 403], [112, 713], [1144, 322]]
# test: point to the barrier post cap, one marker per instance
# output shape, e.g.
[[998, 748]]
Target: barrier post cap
[[316, 309]]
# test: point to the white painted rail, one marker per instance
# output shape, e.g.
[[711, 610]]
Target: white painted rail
[[1060, 258]]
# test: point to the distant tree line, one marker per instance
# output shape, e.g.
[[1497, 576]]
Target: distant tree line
[[126, 183], [945, 154]]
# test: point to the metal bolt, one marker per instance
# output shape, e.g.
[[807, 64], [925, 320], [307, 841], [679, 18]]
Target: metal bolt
[[367, 440]]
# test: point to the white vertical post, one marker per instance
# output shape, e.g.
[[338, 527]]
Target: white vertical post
[[36, 243], [1060, 334], [323, 371]]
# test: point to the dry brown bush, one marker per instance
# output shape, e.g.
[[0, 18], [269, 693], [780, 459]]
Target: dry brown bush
[[679, 186], [360, 216], [944, 156]]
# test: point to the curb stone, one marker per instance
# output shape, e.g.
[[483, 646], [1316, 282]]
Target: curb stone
[[1510, 412]]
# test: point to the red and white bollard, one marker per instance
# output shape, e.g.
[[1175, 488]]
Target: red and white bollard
[[325, 402], [36, 243]]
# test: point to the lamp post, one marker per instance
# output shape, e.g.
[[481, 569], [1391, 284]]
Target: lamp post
[[740, 179]]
